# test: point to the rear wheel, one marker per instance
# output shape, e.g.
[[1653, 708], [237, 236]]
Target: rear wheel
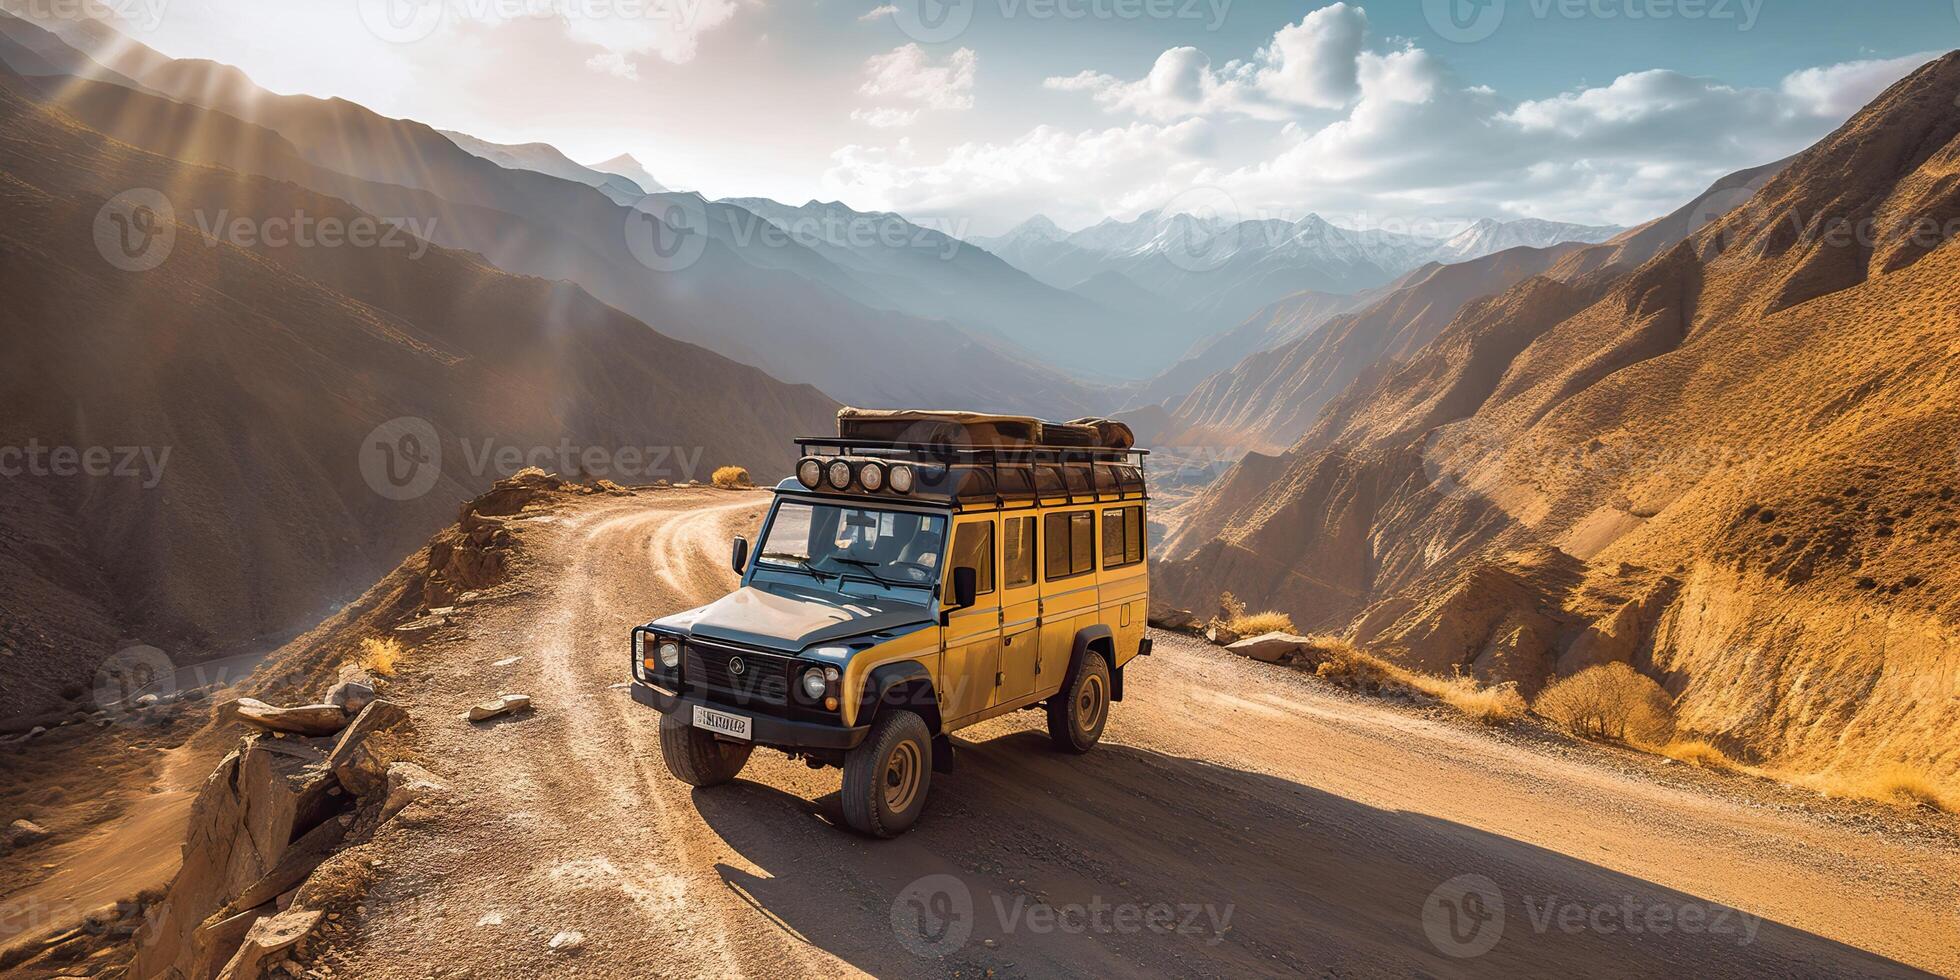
[[1077, 713], [886, 778], [696, 757]]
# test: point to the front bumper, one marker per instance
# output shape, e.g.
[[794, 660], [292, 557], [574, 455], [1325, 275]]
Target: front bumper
[[777, 732]]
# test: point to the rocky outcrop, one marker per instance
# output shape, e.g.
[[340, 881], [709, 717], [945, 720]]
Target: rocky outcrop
[[272, 812]]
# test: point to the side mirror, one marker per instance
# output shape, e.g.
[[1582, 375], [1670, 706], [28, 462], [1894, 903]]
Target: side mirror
[[966, 586], [739, 560]]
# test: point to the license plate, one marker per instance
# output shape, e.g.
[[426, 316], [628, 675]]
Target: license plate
[[722, 722]]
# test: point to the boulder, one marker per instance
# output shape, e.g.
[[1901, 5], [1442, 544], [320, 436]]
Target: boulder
[[568, 940], [502, 704], [1165, 617], [356, 761], [1273, 648], [299, 861], [408, 783], [266, 939], [1221, 634], [24, 832], [350, 696], [309, 719], [218, 939]]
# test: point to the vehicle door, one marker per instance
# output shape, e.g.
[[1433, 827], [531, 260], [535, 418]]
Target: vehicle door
[[971, 637], [1020, 608], [1068, 589]]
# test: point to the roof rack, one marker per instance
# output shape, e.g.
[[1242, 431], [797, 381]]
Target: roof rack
[[1005, 476]]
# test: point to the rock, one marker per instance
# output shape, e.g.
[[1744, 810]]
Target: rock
[[310, 719], [408, 783], [266, 939], [299, 861], [568, 940], [37, 731], [148, 701], [1221, 634], [1272, 648], [502, 704], [1164, 617], [357, 763], [507, 662], [217, 940], [351, 696], [21, 833], [490, 919]]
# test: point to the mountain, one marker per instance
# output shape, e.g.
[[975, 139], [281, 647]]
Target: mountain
[[1729, 465], [546, 159], [1486, 237], [776, 305], [927, 273], [272, 391], [624, 165], [1275, 326]]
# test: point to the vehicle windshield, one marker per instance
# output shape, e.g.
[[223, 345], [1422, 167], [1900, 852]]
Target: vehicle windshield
[[836, 544]]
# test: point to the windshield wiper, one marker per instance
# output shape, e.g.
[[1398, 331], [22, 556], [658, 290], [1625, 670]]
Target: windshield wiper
[[870, 568], [802, 564]]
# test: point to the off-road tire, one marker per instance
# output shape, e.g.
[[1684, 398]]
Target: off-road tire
[[886, 778], [696, 757], [1078, 712]]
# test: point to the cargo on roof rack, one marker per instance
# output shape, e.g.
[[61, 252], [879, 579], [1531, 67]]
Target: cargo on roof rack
[[978, 430]]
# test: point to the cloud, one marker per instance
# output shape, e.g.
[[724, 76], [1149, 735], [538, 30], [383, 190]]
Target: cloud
[[1314, 64], [877, 12], [668, 29], [1073, 176], [903, 83], [1411, 144]]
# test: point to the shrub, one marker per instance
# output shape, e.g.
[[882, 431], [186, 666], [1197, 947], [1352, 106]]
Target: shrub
[[380, 655], [1229, 607], [1257, 623], [731, 477], [1496, 705], [1342, 664], [1906, 786], [1609, 701], [1696, 752]]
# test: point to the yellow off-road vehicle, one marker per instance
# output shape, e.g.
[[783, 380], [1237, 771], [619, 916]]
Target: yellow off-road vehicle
[[923, 572]]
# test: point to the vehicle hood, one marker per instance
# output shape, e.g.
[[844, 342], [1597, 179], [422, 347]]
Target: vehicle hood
[[791, 620]]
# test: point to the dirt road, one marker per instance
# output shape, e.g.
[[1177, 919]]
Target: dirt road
[[1238, 819]]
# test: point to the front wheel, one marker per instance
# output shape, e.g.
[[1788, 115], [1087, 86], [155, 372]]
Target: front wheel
[[886, 778], [1077, 713], [696, 757]]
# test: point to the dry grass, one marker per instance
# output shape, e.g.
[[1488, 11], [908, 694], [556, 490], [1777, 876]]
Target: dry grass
[[1897, 784], [380, 655], [1696, 752], [1611, 701], [731, 477], [1344, 665], [1254, 624]]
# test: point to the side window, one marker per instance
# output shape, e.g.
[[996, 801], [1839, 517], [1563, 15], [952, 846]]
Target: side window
[[973, 547], [1017, 546], [1122, 536], [1081, 542], [1112, 550], [1055, 547]]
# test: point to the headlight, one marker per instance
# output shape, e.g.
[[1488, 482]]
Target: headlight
[[809, 472], [901, 479], [872, 476], [813, 683], [840, 474], [670, 654], [639, 646]]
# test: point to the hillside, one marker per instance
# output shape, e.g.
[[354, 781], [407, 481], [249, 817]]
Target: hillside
[[259, 376], [773, 304], [1732, 467]]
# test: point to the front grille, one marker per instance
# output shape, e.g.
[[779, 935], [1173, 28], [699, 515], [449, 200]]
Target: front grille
[[765, 679]]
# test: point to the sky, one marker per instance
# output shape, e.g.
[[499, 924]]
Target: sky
[[1415, 115]]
